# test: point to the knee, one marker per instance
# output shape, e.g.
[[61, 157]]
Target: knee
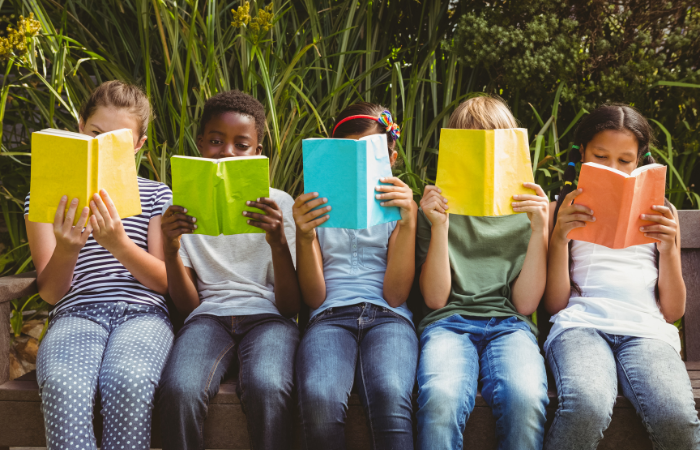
[[526, 401], [677, 427], [439, 403], [591, 406], [270, 388], [177, 390], [394, 393]]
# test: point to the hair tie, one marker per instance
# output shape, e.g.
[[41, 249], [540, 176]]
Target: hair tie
[[566, 183], [384, 119], [575, 146], [646, 154], [572, 164]]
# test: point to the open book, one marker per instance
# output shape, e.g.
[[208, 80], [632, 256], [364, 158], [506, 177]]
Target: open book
[[214, 191], [77, 165], [618, 200], [479, 171], [346, 172]]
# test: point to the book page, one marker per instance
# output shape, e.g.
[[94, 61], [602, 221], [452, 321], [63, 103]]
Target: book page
[[648, 189], [603, 192], [511, 167], [331, 169], [195, 185], [378, 166], [116, 172], [66, 133], [59, 167], [242, 180]]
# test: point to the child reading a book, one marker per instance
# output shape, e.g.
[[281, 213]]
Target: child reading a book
[[238, 292], [356, 283], [614, 308], [109, 329], [481, 277]]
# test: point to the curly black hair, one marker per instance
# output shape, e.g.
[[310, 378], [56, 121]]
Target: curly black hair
[[238, 102]]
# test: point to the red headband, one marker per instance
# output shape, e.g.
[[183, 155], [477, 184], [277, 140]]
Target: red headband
[[350, 118]]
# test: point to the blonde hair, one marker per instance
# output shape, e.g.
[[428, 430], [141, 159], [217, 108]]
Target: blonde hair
[[117, 94], [482, 113]]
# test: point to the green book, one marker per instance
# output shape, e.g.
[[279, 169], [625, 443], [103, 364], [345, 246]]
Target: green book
[[215, 191]]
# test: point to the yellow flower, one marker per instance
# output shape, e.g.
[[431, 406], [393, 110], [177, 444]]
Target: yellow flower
[[16, 40], [263, 21], [241, 16]]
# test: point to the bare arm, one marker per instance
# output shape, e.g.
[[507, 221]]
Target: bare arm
[[436, 277], [55, 249], [401, 254], [108, 231], [309, 258], [182, 284], [558, 290], [671, 284], [530, 284], [287, 293]]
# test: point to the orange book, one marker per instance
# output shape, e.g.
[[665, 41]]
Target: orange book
[[618, 200]]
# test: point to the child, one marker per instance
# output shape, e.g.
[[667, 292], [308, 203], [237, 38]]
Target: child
[[482, 277], [356, 283], [609, 325], [106, 278], [238, 292]]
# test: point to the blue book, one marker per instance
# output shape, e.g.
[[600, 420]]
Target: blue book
[[346, 172]]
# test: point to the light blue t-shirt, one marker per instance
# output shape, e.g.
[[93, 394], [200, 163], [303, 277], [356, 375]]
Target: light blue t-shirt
[[354, 264]]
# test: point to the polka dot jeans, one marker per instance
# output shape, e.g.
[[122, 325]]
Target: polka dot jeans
[[117, 347]]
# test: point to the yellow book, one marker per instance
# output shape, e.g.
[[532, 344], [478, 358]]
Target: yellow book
[[479, 171], [76, 165]]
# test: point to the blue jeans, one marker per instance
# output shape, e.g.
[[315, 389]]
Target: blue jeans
[[372, 347], [206, 349], [456, 353], [588, 365], [118, 347]]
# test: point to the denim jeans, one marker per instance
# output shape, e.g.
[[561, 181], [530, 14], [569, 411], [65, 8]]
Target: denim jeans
[[371, 347], [456, 353], [116, 347], [588, 365], [205, 350]]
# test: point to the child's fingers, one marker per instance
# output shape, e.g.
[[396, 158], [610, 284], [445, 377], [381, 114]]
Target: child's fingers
[[393, 180], [401, 203], [109, 204], [180, 216], [303, 198], [269, 202], [101, 207], [87, 231], [259, 217], [393, 195], [659, 219], [389, 188], [60, 213], [319, 221], [82, 220], [531, 197], [658, 229], [578, 218], [430, 188], [70, 214], [571, 209], [97, 214], [306, 207], [315, 213], [529, 203], [666, 211], [535, 187], [569, 199], [434, 203], [181, 224], [173, 210]]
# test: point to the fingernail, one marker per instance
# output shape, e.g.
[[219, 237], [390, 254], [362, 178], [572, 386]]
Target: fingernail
[[325, 200], [439, 191], [447, 207], [445, 200], [64, 198], [248, 222], [259, 200], [247, 203], [185, 210], [195, 227], [594, 219], [194, 219], [315, 194], [328, 208], [383, 203], [245, 213], [377, 197]]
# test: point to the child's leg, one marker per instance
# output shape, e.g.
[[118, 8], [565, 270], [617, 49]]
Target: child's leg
[[385, 376], [653, 377], [67, 367], [515, 384], [448, 373], [325, 370], [583, 366], [136, 352], [266, 378], [203, 353]]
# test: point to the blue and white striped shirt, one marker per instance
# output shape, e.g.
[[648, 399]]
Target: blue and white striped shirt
[[98, 276]]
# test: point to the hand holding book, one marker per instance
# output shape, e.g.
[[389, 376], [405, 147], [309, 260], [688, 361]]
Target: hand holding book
[[70, 238], [107, 228], [664, 230], [269, 221]]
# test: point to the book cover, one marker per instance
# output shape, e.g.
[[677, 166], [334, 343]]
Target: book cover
[[618, 200], [479, 171], [214, 191], [77, 165], [346, 172]]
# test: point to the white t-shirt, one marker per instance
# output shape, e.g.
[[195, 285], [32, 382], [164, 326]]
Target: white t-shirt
[[234, 273], [617, 294]]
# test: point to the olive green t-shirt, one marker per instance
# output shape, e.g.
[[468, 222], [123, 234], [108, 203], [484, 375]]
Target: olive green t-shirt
[[486, 256]]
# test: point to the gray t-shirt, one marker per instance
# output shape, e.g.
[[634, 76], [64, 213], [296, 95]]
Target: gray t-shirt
[[234, 273]]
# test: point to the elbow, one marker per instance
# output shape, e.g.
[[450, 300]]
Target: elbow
[[290, 309], [48, 297], [675, 314], [528, 308], [314, 300], [435, 300], [394, 298]]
